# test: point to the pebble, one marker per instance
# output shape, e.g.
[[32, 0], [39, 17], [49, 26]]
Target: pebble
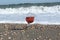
[[33, 33], [59, 33], [5, 34], [13, 39], [5, 25], [11, 31], [27, 35], [9, 37], [23, 31], [50, 39], [1, 38], [44, 39], [12, 34], [15, 33], [34, 39], [1, 35], [8, 32], [31, 39], [39, 36], [32, 27]]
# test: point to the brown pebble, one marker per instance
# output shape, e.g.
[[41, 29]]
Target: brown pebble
[[32, 27]]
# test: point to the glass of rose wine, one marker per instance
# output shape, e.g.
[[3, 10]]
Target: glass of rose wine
[[29, 19]]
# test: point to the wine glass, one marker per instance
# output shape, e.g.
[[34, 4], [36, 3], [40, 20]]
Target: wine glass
[[30, 19]]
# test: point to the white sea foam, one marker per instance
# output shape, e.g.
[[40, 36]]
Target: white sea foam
[[13, 22], [32, 9], [24, 22]]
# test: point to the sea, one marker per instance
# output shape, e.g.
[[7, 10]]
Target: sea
[[44, 13]]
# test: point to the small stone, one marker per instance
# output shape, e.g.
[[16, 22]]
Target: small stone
[[8, 32], [32, 27], [5, 25], [5, 34], [34, 39], [27, 35], [49, 39], [9, 37], [15, 33], [44, 39], [1, 35], [59, 33], [33, 33], [11, 31], [23, 30], [39, 36], [12, 34], [1, 38], [31, 39]]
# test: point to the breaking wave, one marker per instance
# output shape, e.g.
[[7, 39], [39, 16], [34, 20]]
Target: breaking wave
[[32, 9]]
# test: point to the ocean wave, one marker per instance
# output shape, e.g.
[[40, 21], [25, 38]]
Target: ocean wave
[[33, 9], [29, 5]]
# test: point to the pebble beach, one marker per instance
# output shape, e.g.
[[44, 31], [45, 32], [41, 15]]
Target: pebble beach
[[33, 32]]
